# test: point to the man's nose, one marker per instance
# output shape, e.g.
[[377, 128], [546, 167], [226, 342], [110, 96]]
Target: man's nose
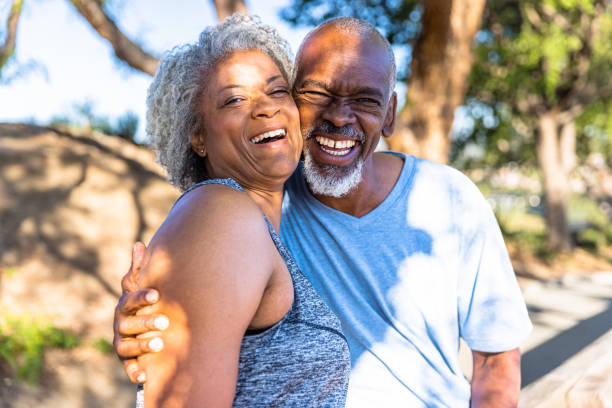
[[339, 113], [265, 107]]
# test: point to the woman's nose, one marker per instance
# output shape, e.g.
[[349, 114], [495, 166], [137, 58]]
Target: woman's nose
[[265, 107]]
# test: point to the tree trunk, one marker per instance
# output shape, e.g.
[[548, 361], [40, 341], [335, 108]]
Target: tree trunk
[[441, 62], [226, 8], [8, 48], [556, 153], [124, 48]]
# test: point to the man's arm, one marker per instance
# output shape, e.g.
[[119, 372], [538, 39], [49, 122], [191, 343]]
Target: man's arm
[[496, 379], [127, 324]]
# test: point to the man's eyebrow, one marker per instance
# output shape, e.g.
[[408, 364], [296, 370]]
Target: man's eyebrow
[[313, 82], [369, 91], [360, 90]]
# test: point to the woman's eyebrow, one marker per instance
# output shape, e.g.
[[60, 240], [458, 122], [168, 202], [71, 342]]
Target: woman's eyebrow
[[229, 87], [272, 79]]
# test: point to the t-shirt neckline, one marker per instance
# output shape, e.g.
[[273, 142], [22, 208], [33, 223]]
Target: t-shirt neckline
[[397, 190]]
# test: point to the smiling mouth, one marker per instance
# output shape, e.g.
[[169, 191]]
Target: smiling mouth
[[335, 147], [269, 137]]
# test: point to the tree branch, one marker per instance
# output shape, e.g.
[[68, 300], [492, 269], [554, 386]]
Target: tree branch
[[124, 48], [226, 8], [8, 48]]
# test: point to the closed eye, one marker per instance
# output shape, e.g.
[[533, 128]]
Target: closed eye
[[315, 96], [233, 100], [314, 93], [368, 101], [280, 91]]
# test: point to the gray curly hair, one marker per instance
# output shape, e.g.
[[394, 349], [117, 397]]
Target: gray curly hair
[[172, 113]]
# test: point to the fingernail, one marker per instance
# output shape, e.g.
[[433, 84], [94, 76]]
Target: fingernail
[[151, 296], [156, 344], [161, 322], [141, 377]]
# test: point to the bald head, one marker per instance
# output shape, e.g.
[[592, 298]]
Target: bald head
[[356, 29]]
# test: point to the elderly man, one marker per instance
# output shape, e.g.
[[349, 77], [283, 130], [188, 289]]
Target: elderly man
[[405, 251]]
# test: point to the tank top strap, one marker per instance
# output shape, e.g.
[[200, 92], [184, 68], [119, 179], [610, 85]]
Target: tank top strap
[[284, 252]]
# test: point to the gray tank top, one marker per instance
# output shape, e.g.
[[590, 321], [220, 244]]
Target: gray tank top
[[301, 361]]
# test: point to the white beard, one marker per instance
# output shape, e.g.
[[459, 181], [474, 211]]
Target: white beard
[[329, 180]]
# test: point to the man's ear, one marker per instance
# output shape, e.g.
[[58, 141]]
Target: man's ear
[[198, 144], [389, 124]]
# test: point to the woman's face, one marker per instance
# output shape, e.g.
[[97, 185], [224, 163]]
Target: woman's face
[[251, 124]]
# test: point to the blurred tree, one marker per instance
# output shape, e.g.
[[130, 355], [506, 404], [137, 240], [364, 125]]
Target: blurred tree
[[125, 49], [8, 47], [542, 65], [226, 8], [442, 33]]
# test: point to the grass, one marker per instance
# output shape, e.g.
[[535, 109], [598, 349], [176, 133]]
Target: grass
[[23, 342], [523, 224], [103, 346]]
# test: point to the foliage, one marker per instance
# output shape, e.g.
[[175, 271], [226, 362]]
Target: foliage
[[595, 126], [398, 20], [523, 223], [103, 346], [124, 126], [595, 228], [533, 56], [23, 341]]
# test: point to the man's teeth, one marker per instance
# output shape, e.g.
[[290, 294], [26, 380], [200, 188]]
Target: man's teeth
[[337, 144], [272, 133], [345, 145]]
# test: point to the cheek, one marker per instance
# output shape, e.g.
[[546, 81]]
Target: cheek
[[308, 114], [223, 129]]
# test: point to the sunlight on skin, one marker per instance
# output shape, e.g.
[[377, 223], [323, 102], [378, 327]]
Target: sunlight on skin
[[157, 266]]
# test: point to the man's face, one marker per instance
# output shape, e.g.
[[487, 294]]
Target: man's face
[[341, 90]]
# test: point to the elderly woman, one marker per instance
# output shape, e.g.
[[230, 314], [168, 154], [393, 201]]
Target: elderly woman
[[247, 328]]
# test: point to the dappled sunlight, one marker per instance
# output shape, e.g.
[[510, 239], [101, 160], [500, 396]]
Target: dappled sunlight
[[71, 207]]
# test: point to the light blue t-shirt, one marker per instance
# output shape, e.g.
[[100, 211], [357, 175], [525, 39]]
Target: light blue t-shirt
[[407, 280]]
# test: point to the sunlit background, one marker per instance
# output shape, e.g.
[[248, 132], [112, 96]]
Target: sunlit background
[[516, 94]]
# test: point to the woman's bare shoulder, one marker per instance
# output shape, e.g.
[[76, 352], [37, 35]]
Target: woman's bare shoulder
[[211, 262], [217, 228]]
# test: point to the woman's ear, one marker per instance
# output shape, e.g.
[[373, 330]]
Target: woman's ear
[[198, 144]]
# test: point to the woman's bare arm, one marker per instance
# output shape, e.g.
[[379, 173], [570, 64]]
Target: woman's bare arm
[[211, 262]]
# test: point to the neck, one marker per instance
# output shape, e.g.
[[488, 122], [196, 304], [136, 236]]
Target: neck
[[380, 173], [270, 202]]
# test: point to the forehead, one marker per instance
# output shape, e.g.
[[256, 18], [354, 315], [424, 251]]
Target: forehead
[[244, 67], [343, 62]]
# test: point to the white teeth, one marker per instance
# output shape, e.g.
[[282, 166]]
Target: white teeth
[[337, 144], [336, 152], [272, 133]]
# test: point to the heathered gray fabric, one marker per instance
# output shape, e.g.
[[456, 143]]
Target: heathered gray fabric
[[303, 360]]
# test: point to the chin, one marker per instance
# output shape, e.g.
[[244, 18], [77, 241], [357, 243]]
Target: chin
[[331, 180]]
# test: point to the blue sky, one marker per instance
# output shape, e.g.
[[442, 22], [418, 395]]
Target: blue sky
[[77, 65]]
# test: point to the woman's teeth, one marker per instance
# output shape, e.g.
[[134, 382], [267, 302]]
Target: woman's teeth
[[268, 135], [345, 145]]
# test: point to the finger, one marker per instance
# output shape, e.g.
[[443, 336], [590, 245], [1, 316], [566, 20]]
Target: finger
[[129, 282], [131, 347], [131, 302], [133, 371], [131, 325]]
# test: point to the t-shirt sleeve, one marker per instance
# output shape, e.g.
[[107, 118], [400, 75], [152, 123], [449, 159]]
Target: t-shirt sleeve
[[492, 312]]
